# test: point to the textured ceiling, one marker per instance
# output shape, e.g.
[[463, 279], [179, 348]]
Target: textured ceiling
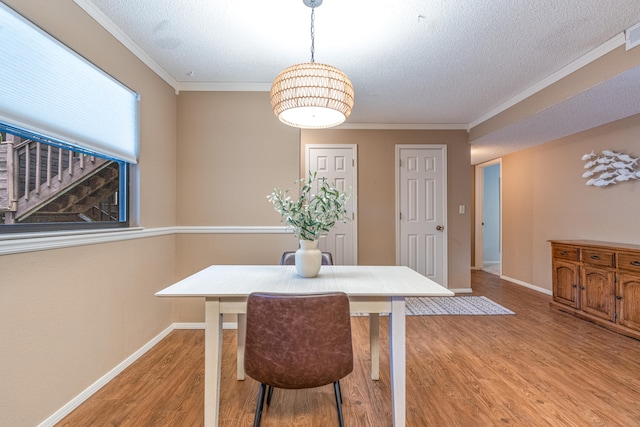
[[609, 101], [413, 63]]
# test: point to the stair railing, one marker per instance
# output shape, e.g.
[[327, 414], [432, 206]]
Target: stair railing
[[36, 171]]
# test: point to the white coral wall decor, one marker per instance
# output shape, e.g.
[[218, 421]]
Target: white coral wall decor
[[609, 168]]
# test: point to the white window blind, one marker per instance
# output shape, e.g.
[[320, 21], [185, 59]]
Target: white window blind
[[48, 89]]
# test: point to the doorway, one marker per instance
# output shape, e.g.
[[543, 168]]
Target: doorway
[[488, 221]]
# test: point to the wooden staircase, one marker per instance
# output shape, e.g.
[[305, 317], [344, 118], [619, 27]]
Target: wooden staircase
[[40, 183]]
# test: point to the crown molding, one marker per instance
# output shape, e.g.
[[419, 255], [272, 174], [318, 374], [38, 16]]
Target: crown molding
[[223, 87], [102, 19], [404, 126]]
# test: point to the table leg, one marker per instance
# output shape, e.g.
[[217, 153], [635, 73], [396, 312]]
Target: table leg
[[212, 361], [374, 344], [242, 334], [397, 349]]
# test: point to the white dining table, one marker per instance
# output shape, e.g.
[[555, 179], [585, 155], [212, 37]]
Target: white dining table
[[371, 289]]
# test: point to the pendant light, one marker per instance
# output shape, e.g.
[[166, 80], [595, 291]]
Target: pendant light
[[312, 95]]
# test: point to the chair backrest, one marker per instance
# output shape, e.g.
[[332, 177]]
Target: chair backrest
[[298, 341], [289, 258]]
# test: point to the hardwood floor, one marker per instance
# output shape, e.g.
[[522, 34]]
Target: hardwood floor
[[536, 368]]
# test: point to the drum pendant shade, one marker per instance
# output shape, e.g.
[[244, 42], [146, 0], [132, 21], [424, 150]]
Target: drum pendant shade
[[312, 95]]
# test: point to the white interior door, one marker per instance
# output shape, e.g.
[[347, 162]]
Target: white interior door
[[422, 213], [337, 163]]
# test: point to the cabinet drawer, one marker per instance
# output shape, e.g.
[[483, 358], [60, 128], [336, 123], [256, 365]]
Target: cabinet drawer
[[599, 258], [565, 252], [629, 262]]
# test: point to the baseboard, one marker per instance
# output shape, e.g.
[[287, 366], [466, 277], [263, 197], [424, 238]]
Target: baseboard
[[517, 282], [200, 325], [185, 325], [508, 279], [527, 285], [93, 388], [57, 416], [461, 291]]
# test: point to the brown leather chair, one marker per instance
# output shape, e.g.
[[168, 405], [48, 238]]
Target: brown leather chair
[[289, 258], [296, 342]]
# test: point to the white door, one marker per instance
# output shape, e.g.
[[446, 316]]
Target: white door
[[421, 226], [337, 163]]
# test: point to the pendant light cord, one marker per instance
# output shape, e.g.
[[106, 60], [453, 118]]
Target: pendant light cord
[[313, 18]]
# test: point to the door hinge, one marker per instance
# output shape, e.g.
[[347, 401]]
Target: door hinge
[[400, 165], [353, 162], [400, 216]]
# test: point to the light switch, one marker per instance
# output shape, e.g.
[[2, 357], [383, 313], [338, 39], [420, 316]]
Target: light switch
[[461, 209]]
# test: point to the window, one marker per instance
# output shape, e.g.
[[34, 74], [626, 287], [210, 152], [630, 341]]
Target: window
[[69, 133], [49, 187]]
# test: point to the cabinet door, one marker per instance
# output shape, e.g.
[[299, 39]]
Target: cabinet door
[[629, 300], [565, 282], [597, 292]]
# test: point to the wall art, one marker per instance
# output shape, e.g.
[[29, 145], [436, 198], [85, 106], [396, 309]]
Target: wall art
[[609, 168]]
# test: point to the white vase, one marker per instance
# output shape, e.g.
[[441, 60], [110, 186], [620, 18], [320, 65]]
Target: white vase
[[308, 258]]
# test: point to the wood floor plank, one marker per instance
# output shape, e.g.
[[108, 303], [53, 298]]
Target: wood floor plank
[[536, 368]]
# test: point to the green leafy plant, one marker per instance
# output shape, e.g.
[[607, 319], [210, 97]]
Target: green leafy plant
[[311, 215]]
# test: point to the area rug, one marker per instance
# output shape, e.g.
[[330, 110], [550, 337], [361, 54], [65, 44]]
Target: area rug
[[451, 306], [454, 306]]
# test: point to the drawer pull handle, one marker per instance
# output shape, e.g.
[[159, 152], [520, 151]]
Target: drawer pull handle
[[595, 257], [563, 253], [636, 263]]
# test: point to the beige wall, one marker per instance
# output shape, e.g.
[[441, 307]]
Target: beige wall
[[376, 179], [69, 316], [377, 195], [545, 197], [232, 152]]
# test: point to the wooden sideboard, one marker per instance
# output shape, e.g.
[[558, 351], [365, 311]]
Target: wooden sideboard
[[599, 282]]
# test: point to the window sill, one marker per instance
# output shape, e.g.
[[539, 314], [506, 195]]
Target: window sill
[[31, 242]]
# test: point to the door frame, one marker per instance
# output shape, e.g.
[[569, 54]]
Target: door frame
[[479, 213], [445, 239], [354, 190]]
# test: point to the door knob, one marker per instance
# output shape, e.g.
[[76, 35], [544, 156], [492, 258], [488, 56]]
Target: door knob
[[439, 227]]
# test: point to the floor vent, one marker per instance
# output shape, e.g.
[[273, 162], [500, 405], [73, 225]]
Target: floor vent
[[633, 36]]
